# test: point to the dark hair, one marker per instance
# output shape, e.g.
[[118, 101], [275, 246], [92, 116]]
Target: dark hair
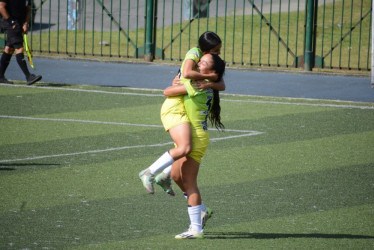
[[209, 40], [215, 113]]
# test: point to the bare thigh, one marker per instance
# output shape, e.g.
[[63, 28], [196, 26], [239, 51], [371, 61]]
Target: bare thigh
[[181, 135]]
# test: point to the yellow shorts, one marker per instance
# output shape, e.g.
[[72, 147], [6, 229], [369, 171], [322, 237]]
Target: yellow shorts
[[200, 142], [173, 112]]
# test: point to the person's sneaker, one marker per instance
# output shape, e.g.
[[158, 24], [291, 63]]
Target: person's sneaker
[[190, 234], [33, 79], [205, 215], [147, 178], [165, 182], [4, 80]]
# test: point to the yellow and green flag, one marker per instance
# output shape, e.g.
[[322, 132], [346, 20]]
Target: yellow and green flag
[[28, 50]]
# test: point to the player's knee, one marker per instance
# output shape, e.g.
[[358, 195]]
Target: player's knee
[[9, 50], [186, 149], [182, 151], [174, 176], [190, 187]]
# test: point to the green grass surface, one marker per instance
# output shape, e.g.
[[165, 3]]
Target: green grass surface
[[70, 157]]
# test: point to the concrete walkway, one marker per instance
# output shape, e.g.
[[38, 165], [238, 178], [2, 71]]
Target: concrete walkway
[[159, 76]]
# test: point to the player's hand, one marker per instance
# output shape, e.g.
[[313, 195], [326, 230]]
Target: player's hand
[[25, 28], [201, 84], [176, 81], [213, 77]]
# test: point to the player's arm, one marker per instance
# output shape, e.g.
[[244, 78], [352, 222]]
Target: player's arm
[[189, 73], [175, 90], [201, 85], [25, 25], [11, 22], [3, 11]]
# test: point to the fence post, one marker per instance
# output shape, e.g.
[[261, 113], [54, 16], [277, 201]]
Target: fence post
[[148, 54], [308, 58]]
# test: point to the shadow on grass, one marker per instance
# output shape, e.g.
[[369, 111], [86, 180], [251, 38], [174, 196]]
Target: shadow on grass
[[41, 26], [245, 235], [114, 86], [44, 84], [6, 169], [53, 85], [11, 166]]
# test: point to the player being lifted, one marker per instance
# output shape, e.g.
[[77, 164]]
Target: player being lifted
[[174, 117]]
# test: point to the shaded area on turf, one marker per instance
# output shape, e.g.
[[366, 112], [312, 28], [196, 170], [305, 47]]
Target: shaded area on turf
[[69, 101], [246, 235], [139, 216]]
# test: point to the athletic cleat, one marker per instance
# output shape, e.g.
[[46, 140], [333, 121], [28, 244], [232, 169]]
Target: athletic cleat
[[147, 178], [165, 182], [33, 79], [205, 215], [4, 80], [190, 234]]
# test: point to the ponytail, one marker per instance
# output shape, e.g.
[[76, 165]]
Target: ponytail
[[215, 113]]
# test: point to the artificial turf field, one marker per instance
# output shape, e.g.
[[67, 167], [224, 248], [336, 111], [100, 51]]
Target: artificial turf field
[[286, 173]]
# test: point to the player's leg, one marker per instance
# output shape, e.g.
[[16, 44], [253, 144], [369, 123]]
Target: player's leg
[[176, 173], [4, 62], [181, 135], [147, 175], [189, 171], [20, 57], [163, 179]]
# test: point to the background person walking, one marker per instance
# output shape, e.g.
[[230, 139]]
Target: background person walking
[[16, 18]]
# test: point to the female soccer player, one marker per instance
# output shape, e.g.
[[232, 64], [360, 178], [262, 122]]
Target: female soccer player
[[174, 117], [199, 106]]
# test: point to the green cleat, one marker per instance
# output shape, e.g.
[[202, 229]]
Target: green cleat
[[190, 234], [205, 215], [165, 182], [147, 178]]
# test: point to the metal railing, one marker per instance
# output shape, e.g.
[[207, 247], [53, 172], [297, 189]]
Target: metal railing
[[333, 34]]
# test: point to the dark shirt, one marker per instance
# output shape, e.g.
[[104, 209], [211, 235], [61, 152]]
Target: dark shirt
[[17, 9]]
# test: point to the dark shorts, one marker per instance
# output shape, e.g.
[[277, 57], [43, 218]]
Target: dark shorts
[[14, 38]]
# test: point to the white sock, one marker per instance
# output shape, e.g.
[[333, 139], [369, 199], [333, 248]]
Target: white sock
[[164, 161], [203, 207], [167, 170], [195, 217]]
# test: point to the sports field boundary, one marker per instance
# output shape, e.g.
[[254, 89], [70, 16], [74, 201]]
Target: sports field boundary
[[358, 106]]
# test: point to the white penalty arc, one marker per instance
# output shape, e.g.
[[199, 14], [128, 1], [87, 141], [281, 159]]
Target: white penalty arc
[[242, 133]]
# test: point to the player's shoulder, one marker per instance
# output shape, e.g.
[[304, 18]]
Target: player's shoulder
[[195, 51]]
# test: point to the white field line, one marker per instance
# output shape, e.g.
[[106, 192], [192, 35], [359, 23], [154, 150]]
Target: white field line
[[243, 134], [85, 90], [86, 152], [222, 99], [80, 121], [304, 104]]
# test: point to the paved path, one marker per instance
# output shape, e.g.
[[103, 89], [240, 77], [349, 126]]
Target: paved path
[[159, 76]]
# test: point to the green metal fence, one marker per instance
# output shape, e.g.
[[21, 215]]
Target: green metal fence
[[328, 34]]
